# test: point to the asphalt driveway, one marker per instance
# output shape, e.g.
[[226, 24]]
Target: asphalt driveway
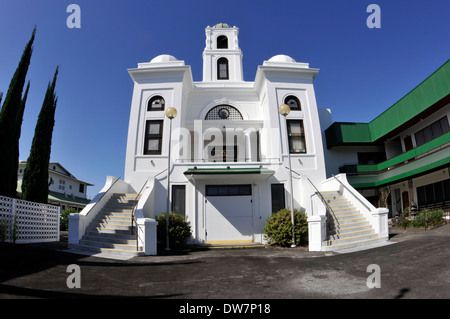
[[415, 265]]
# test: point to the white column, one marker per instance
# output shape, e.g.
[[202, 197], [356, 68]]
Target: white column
[[380, 221], [316, 232], [76, 228], [146, 228]]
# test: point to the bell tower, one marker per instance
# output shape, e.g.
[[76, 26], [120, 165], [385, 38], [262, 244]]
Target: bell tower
[[222, 57]]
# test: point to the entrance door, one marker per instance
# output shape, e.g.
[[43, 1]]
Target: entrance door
[[229, 213], [405, 197]]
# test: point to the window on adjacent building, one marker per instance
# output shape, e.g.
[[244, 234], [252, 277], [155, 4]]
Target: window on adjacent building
[[434, 195], [222, 69], [278, 200], [156, 103], [179, 199], [81, 188], [153, 137], [293, 102], [222, 42], [432, 131], [296, 136]]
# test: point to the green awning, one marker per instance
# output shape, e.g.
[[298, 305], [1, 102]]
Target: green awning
[[227, 174], [225, 171]]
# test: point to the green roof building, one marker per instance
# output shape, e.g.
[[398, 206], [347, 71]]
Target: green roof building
[[405, 148]]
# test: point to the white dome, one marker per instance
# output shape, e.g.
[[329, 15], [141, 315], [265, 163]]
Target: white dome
[[163, 58], [281, 58]]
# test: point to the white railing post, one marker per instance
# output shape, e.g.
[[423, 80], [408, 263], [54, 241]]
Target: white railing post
[[76, 227], [146, 229], [316, 232], [380, 221]]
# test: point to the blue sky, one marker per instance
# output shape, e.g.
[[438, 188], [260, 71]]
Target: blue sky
[[362, 71]]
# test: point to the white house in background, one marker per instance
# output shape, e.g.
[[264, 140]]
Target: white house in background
[[229, 147], [64, 189]]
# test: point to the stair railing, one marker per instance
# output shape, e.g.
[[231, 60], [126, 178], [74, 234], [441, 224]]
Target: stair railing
[[329, 210], [133, 216]]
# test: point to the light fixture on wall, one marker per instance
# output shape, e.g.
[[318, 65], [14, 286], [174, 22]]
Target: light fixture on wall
[[284, 110], [171, 113]]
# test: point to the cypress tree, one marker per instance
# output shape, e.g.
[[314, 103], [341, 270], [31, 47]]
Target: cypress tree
[[35, 176], [11, 115]]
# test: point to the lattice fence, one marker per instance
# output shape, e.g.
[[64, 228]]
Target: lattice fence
[[28, 222]]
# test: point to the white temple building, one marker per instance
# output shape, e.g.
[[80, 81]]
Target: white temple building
[[228, 149]]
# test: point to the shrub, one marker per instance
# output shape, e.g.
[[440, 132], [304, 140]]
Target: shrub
[[64, 218], [179, 230], [425, 218], [278, 228]]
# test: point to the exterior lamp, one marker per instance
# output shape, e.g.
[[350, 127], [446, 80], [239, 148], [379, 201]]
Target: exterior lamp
[[284, 110], [171, 113]]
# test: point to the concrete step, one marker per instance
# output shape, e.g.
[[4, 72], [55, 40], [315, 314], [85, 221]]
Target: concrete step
[[349, 233], [110, 227], [112, 240], [360, 244], [344, 225], [112, 252], [104, 221], [347, 240], [114, 235], [348, 220], [110, 245]]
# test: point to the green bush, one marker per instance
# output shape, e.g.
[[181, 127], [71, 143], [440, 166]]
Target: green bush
[[278, 228], [425, 218], [179, 230], [64, 218]]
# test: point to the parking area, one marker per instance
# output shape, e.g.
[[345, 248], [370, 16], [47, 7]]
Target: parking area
[[415, 265]]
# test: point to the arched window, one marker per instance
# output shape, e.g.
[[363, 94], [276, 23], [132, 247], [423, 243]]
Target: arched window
[[293, 102], [222, 69], [222, 42], [156, 103], [223, 112]]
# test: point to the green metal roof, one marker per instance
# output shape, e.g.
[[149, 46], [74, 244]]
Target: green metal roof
[[433, 89], [74, 200], [340, 133]]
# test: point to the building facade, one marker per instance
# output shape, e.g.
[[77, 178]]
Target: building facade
[[405, 150], [64, 189], [229, 155], [226, 158]]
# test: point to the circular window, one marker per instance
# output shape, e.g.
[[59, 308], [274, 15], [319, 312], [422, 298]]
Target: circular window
[[224, 113]]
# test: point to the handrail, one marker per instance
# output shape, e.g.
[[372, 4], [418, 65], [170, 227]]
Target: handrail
[[98, 201], [329, 210], [321, 197], [133, 215], [352, 193]]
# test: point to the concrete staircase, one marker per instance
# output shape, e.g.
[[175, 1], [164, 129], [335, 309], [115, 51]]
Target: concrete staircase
[[348, 228], [111, 231]]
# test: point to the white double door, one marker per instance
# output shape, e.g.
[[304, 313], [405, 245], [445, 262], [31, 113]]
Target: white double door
[[229, 218]]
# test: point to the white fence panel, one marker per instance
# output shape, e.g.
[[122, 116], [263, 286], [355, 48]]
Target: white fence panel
[[28, 222]]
